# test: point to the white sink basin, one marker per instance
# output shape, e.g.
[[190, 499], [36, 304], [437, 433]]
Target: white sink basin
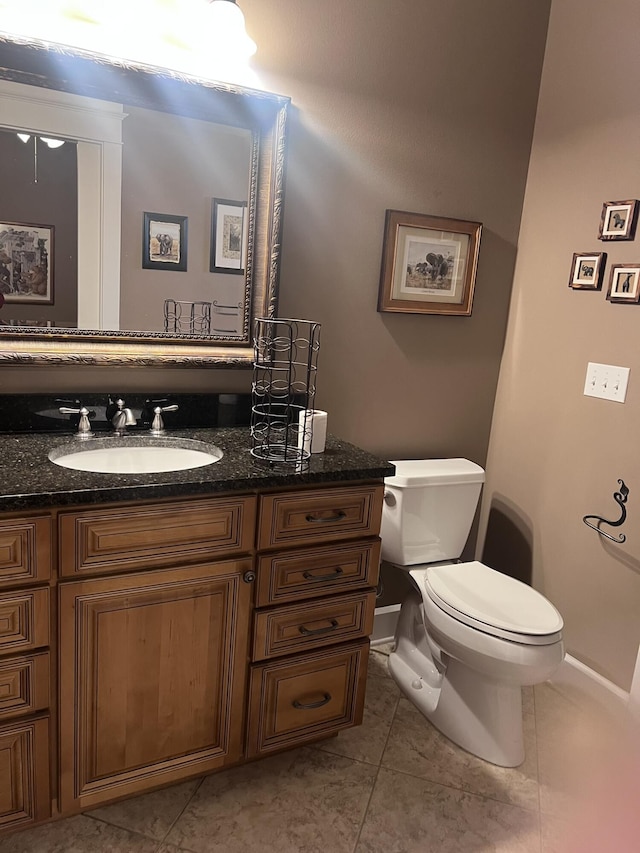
[[135, 455]]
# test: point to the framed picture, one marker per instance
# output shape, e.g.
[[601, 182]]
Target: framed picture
[[624, 283], [428, 264], [618, 220], [26, 263], [164, 242], [587, 270], [228, 236]]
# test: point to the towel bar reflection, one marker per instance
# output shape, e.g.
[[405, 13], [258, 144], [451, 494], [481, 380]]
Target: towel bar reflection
[[620, 498]]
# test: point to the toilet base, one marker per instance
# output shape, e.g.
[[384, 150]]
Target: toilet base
[[480, 715]]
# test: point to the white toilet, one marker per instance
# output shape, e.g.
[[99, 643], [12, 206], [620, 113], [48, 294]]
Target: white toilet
[[468, 637]]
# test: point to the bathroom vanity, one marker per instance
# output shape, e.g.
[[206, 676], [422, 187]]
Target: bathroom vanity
[[155, 627]]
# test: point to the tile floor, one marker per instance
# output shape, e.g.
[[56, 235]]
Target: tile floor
[[393, 785]]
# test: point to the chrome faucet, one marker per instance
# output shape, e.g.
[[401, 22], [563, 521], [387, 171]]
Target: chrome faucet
[[122, 418]]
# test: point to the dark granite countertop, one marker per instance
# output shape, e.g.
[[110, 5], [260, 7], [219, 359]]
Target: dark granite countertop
[[28, 480]]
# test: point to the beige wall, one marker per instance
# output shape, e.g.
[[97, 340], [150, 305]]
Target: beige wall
[[556, 455], [422, 106]]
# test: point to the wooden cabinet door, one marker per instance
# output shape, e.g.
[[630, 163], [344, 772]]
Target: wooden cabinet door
[[24, 773], [153, 669]]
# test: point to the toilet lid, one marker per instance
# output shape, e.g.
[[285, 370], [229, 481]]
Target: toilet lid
[[485, 596]]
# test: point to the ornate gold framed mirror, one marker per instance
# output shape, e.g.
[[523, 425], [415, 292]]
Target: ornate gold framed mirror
[[179, 190]]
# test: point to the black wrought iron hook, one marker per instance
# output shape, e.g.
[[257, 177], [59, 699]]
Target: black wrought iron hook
[[620, 498]]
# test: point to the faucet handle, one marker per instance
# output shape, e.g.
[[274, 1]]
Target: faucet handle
[[84, 424], [157, 427]]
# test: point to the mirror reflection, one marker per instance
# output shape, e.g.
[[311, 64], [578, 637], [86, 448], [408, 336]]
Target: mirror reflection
[[184, 276]]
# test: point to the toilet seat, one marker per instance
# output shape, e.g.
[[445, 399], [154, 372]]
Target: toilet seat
[[489, 601]]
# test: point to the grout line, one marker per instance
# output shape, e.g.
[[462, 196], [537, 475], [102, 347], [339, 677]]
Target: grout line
[[195, 791], [530, 809], [116, 826], [449, 786], [375, 781]]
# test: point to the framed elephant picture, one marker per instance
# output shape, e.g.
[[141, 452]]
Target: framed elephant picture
[[164, 242], [587, 270], [428, 264]]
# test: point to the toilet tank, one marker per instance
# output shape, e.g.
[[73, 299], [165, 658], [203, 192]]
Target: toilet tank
[[428, 510]]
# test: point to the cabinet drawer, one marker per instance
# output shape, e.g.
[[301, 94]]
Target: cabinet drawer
[[142, 537], [24, 685], [321, 515], [24, 773], [24, 620], [315, 572], [299, 628], [25, 550], [307, 698]]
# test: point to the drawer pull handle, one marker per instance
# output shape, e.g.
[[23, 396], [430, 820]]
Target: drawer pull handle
[[320, 519], [311, 632], [309, 706], [330, 577]]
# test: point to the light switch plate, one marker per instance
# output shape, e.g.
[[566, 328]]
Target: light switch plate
[[607, 381]]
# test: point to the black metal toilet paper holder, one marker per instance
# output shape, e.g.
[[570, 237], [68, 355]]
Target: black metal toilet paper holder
[[620, 498]]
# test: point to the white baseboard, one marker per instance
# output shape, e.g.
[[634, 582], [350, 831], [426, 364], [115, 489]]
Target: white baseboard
[[384, 624], [575, 675]]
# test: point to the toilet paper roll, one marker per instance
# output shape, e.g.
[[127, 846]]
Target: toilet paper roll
[[312, 435]]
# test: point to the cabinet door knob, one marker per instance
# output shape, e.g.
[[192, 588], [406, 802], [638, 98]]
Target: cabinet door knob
[[249, 577], [309, 706]]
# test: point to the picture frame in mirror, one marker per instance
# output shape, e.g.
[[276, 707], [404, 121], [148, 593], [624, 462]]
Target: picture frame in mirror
[[164, 242], [228, 236], [26, 263]]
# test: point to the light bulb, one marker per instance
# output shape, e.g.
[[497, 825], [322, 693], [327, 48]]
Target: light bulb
[[52, 143]]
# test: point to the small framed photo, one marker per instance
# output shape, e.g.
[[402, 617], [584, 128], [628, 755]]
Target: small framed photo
[[26, 263], [624, 283], [587, 270], [428, 264], [228, 236], [618, 220], [164, 242]]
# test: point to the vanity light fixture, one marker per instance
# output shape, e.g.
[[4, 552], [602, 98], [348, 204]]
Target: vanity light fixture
[[49, 141], [229, 31], [203, 37]]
